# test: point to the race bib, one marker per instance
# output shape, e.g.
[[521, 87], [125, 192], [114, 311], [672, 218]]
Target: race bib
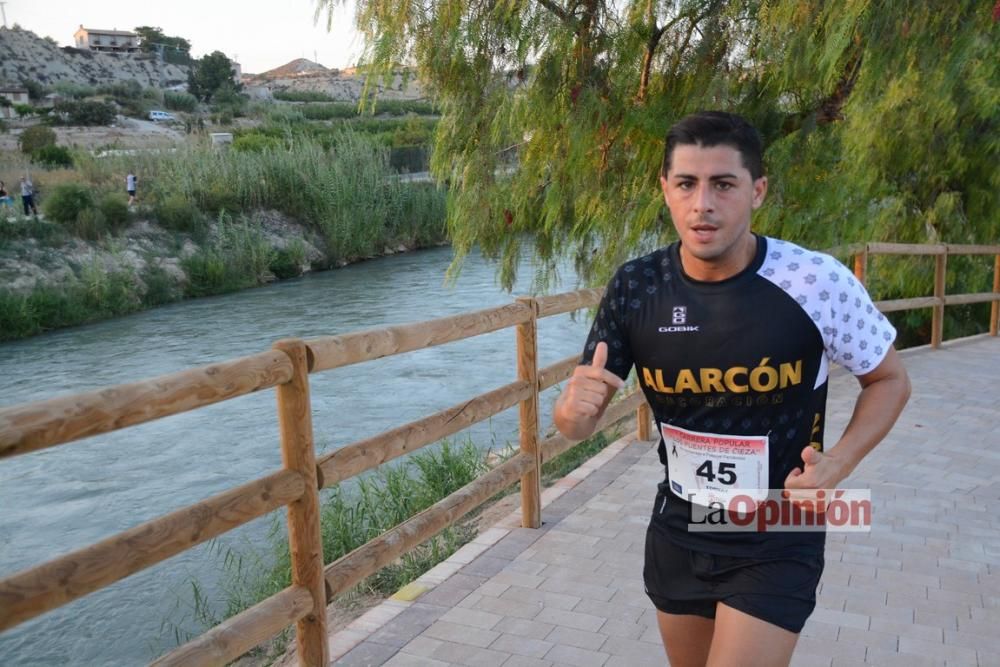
[[708, 468]]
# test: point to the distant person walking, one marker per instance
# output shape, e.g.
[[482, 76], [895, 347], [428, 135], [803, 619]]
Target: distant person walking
[[130, 183], [28, 196], [5, 199]]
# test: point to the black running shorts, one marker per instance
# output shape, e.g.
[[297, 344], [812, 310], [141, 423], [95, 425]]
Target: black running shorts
[[779, 590]]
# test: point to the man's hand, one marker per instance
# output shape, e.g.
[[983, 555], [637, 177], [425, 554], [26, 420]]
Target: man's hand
[[822, 471], [587, 394]]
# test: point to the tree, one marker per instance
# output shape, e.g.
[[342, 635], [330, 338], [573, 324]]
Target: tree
[[209, 74], [175, 49], [36, 138], [882, 118]]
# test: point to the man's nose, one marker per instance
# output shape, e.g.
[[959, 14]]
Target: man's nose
[[703, 199]]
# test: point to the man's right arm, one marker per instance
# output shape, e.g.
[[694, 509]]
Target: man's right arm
[[586, 396]]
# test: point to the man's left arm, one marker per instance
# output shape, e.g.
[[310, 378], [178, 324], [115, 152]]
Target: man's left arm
[[884, 392]]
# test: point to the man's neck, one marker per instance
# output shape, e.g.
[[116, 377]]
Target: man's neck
[[712, 271]]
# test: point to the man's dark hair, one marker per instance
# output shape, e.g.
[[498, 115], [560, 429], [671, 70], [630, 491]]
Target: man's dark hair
[[717, 128]]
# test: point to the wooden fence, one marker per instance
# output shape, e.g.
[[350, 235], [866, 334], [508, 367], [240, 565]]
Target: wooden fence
[[34, 426]]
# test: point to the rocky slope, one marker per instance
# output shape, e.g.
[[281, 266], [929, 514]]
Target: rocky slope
[[346, 85], [25, 55]]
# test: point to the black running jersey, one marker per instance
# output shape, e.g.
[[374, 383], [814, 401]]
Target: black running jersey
[[743, 360]]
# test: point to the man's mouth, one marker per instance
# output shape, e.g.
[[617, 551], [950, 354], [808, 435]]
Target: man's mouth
[[704, 232]]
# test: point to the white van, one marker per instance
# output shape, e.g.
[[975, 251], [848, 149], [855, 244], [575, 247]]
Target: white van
[[161, 115]]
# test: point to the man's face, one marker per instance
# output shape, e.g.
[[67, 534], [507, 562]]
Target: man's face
[[711, 195]]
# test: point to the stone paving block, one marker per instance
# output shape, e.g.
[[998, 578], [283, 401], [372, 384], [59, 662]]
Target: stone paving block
[[474, 618], [566, 636], [570, 586], [869, 638], [624, 612], [424, 646], [541, 598], [408, 624], [802, 659], [578, 657], [911, 630], [461, 634], [524, 646], [943, 620], [652, 659], [843, 618], [615, 627], [366, 654], [508, 608], [523, 661], [879, 610], [896, 659], [635, 651], [570, 619], [820, 630], [831, 649], [522, 627], [409, 660], [473, 656], [486, 566], [950, 653], [940, 595]]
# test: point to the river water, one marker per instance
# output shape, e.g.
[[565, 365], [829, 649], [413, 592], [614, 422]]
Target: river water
[[63, 498]]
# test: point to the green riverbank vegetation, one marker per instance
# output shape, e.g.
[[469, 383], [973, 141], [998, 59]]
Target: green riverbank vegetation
[[353, 513], [338, 189]]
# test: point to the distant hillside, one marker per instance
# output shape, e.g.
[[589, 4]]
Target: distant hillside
[[25, 55], [295, 68], [303, 75]]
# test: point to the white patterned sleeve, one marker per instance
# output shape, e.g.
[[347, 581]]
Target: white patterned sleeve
[[859, 336]]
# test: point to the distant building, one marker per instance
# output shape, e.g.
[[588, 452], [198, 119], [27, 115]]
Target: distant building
[[14, 95], [106, 41]]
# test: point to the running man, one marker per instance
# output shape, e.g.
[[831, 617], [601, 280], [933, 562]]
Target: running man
[[732, 335]]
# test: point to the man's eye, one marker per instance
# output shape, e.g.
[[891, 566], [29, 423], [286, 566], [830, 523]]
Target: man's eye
[[722, 185], [685, 185]]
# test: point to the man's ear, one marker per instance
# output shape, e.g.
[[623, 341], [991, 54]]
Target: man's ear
[[759, 191], [663, 185]]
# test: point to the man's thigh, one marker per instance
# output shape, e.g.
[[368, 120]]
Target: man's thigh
[[742, 640], [687, 638]]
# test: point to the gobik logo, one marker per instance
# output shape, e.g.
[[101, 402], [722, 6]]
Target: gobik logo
[[678, 321], [778, 510]]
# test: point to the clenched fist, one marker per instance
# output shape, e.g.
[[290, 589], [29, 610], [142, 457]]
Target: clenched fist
[[587, 394]]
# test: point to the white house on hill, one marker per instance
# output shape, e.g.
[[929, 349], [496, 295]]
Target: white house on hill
[[108, 41]]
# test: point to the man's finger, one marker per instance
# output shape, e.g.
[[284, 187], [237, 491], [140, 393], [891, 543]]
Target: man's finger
[[600, 359], [811, 456]]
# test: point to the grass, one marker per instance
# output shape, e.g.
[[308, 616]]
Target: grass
[[352, 514]]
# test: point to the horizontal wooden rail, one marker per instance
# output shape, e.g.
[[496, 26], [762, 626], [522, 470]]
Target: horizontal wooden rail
[[36, 590], [33, 426], [960, 249], [906, 248], [965, 299], [336, 351], [363, 455], [557, 444], [557, 372], [237, 635], [566, 303], [369, 558], [894, 305]]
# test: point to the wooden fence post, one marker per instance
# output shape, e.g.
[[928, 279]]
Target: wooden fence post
[[937, 320], [527, 369], [643, 418], [861, 265], [995, 308], [304, 537]]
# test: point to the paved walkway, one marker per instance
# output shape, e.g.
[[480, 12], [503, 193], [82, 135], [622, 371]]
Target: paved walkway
[[922, 588]]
